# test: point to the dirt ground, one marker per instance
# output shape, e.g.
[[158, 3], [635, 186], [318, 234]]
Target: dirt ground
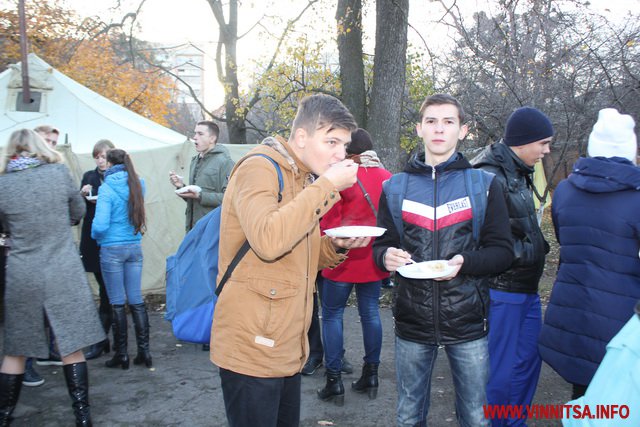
[[183, 388]]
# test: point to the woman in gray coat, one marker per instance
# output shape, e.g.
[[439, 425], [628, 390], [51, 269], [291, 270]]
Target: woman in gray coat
[[44, 275]]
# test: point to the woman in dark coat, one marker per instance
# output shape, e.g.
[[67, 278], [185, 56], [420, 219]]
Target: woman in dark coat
[[44, 277], [89, 249], [595, 215]]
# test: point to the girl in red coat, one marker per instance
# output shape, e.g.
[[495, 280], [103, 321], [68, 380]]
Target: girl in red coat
[[359, 270]]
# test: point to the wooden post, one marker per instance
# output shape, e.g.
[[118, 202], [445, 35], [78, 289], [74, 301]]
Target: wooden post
[[24, 51]]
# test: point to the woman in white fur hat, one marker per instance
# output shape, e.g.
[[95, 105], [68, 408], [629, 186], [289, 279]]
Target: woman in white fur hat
[[595, 214]]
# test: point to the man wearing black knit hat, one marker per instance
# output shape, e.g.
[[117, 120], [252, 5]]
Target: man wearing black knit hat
[[515, 316]]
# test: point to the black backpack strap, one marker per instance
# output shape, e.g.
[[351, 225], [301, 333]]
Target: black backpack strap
[[234, 263], [395, 189], [477, 182], [366, 196]]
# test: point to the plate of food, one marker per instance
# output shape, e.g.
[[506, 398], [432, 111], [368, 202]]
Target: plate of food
[[189, 188], [427, 269], [91, 197], [355, 231]]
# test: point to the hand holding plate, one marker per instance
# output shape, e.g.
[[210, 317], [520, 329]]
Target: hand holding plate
[[455, 263], [350, 242]]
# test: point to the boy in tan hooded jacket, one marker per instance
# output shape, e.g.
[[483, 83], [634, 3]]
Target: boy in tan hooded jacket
[[259, 334]]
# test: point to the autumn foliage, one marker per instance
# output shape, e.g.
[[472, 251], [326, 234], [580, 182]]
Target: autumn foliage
[[84, 51]]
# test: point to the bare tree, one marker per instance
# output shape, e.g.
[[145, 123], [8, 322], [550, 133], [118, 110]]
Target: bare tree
[[550, 54], [227, 65]]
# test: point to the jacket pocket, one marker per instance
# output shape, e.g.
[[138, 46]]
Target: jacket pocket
[[275, 305]]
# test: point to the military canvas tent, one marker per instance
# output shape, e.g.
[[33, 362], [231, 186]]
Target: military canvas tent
[[84, 117]]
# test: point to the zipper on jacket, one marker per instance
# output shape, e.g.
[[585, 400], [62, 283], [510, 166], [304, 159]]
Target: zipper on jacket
[[434, 285], [482, 304], [306, 298]]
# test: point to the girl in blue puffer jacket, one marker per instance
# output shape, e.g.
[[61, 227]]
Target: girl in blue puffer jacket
[[118, 226]]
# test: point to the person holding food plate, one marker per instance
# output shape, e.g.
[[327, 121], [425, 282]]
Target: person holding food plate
[[259, 334], [443, 249], [208, 174], [354, 215], [89, 250]]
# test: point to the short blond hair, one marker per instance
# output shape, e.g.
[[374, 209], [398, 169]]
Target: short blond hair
[[46, 129], [28, 143]]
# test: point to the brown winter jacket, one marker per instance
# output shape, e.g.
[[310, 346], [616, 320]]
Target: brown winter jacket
[[263, 314]]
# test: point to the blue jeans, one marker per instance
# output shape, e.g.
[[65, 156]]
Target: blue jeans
[[334, 301], [515, 321], [469, 363], [122, 272], [316, 351]]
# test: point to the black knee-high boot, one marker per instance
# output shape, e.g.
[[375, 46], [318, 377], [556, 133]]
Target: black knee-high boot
[[95, 350], [141, 322], [77, 377], [120, 337], [107, 321], [105, 310], [10, 386]]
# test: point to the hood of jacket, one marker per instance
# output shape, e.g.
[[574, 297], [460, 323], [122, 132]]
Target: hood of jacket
[[119, 184], [215, 151], [605, 175]]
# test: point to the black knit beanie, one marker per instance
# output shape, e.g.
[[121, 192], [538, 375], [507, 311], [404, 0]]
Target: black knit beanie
[[527, 125], [360, 142]]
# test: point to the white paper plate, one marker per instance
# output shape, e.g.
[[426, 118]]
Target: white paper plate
[[193, 188], [91, 197], [355, 231], [426, 270]]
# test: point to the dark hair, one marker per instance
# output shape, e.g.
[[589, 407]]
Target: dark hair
[[320, 110], [360, 142], [213, 128], [117, 156], [442, 99], [102, 145]]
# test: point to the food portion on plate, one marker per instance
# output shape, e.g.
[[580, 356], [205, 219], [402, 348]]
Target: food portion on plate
[[355, 231], [189, 188], [427, 269]]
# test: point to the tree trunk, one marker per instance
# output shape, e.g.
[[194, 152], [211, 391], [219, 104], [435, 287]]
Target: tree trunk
[[389, 69], [226, 54], [349, 20]]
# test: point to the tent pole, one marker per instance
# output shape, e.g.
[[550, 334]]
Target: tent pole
[[26, 94]]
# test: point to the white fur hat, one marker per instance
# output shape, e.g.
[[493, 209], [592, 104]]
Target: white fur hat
[[613, 136]]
